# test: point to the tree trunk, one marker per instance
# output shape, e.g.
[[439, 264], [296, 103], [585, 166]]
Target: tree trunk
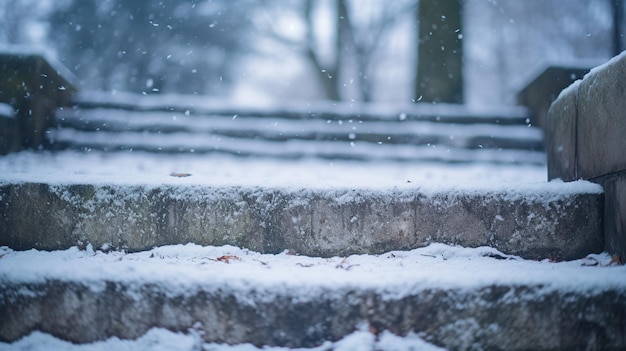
[[440, 51]]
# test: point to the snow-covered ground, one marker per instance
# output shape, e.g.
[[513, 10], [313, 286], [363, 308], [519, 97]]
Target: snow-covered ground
[[165, 340], [145, 168]]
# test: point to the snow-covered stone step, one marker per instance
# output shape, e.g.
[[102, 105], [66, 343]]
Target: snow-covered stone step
[[556, 220], [168, 124], [456, 298], [175, 143], [334, 111], [182, 124]]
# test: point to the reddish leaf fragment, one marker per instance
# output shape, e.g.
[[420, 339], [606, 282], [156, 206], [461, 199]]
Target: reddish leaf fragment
[[616, 260], [344, 264], [228, 258], [372, 329]]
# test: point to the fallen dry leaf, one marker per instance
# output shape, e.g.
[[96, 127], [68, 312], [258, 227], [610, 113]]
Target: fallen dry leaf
[[344, 264], [616, 260], [228, 258], [180, 175]]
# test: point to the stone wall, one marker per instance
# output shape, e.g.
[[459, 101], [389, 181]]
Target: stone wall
[[586, 139]]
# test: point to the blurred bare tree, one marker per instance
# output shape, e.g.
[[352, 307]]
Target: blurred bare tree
[[151, 45], [349, 51], [16, 18]]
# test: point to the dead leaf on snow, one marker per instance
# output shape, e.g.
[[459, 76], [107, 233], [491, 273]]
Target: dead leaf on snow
[[228, 258], [344, 264], [616, 260]]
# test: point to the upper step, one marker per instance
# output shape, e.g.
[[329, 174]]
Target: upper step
[[424, 133], [556, 220]]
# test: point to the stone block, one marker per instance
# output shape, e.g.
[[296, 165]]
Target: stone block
[[615, 216], [495, 317], [559, 221], [561, 136], [602, 120]]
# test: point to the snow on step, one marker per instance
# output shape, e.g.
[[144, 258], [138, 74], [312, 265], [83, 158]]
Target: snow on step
[[290, 149], [159, 339], [130, 200], [335, 111], [559, 220], [457, 298], [442, 133]]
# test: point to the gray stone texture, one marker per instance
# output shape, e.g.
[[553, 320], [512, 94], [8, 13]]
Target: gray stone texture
[[602, 121], [496, 317], [615, 216], [594, 112], [561, 137], [586, 139], [311, 222]]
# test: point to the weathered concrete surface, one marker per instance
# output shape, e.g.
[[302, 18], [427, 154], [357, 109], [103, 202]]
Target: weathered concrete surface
[[602, 121], [585, 140], [536, 223], [490, 317], [587, 124], [615, 216], [561, 134]]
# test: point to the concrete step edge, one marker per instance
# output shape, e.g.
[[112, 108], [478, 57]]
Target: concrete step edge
[[556, 220], [453, 297]]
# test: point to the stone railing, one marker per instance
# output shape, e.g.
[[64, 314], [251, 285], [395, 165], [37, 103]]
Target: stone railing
[[586, 139]]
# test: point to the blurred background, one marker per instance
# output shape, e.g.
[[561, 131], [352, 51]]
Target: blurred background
[[291, 50]]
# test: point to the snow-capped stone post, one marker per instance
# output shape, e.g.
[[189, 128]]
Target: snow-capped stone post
[[440, 51], [34, 86], [586, 139]]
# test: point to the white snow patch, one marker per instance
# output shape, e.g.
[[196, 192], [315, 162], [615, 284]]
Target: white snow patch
[[144, 169], [164, 340], [183, 269], [6, 110]]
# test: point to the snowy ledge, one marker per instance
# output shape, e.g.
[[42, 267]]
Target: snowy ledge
[[138, 201], [448, 295], [558, 220]]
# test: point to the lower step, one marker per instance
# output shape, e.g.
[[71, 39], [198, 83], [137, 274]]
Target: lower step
[[545, 220], [457, 298]]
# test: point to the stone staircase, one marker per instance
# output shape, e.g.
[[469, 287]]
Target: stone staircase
[[413, 134], [305, 267]]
